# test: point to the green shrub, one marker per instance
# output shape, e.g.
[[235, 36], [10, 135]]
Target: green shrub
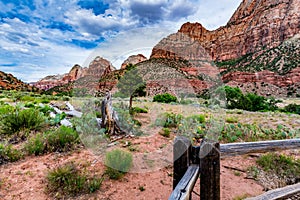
[[57, 119], [235, 99], [62, 139], [172, 120], [284, 167], [36, 145], [292, 108], [9, 154], [29, 105], [118, 162], [26, 98], [231, 120], [165, 132], [67, 180], [46, 110], [18, 120], [197, 118], [135, 110], [164, 98]]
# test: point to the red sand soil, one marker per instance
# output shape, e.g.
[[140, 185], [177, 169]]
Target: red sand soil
[[25, 179]]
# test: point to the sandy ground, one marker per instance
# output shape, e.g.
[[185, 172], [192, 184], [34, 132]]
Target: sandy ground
[[25, 179]]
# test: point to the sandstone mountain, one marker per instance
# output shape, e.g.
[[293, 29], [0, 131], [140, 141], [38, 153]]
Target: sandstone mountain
[[88, 75], [134, 59], [258, 46], [9, 82]]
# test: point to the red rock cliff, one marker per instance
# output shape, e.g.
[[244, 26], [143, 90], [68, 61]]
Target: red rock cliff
[[255, 25]]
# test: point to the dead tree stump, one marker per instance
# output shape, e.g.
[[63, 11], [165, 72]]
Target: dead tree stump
[[110, 119]]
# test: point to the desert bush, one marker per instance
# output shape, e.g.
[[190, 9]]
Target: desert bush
[[197, 118], [27, 98], [171, 120], [19, 119], [36, 145], [286, 168], [118, 162], [57, 119], [68, 180], [62, 139], [165, 132], [252, 132], [235, 99], [292, 108], [9, 154], [29, 105], [135, 110], [231, 120], [164, 98], [46, 110]]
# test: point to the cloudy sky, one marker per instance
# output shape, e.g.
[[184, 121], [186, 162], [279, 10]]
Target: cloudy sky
[[43, 37]]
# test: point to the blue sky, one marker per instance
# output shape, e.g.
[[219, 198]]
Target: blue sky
[[39, 38]]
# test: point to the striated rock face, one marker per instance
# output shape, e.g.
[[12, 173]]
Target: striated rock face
[[96, 69], [261, 36], [9, 82], [256, 25], [134, 59]]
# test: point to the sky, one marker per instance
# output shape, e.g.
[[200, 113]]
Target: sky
[[48, 37]]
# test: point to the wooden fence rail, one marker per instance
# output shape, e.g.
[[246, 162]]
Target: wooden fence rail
[[191, 161]]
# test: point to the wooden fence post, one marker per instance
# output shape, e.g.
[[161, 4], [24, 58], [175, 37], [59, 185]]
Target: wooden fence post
[[209, 170], [181, 156]]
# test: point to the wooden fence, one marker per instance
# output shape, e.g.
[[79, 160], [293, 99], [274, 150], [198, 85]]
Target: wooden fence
[[190, 162]]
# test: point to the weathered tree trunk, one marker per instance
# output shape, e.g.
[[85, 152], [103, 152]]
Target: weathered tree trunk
[[110, 119]]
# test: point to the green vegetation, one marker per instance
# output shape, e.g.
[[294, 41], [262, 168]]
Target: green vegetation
[[118, 162], [285, 168], [22, 119], [59, 140], [292, 108], [135, 110], [68, 180], [231, 120], [248, 133], [9, 154], [165, 132], [171, 120], [131, 84], [164, 98], [235, 99]]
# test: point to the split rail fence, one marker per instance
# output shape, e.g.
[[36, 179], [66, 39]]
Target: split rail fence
[[192, 162]]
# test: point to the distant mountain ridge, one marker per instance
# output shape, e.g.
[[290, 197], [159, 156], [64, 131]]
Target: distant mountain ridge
[[258, 50], [9, 82]]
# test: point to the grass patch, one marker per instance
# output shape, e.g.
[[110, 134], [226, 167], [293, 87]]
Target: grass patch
[[16, 120], [60, 140], [136, 110], [283, 166], [231, 120], [68, 180], [9, 154], [165, 132], [164, 98], [118, 163]]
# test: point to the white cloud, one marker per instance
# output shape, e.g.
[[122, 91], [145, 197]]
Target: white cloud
[[38, 49]]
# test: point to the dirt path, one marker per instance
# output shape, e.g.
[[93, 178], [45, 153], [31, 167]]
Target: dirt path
[[26, 179]]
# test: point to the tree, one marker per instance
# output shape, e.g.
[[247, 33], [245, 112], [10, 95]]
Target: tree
[[131, 84]]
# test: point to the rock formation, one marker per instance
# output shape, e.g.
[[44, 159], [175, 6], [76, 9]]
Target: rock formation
[[9, 82], [261, 36], [89, 75], [134, 59]]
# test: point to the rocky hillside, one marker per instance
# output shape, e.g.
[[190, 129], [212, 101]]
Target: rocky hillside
[[258, 46], [89, 75], [134, 59], [9, 82]]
